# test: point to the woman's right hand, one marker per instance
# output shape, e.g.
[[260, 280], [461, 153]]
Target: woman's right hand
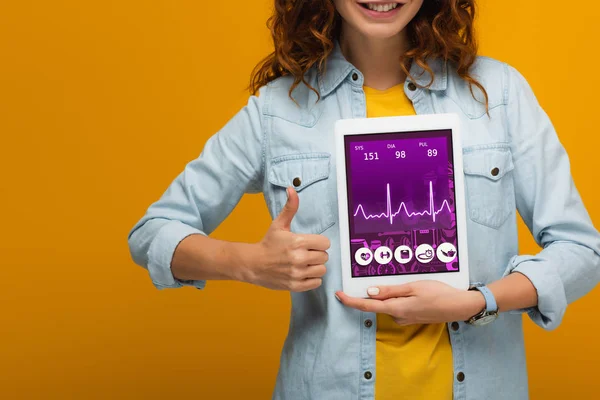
[[290, 261]]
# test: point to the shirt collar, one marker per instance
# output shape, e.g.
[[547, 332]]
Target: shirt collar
[[338, 68]]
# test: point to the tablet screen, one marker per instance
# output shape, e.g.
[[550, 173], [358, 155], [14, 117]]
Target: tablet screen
[[401, 210]]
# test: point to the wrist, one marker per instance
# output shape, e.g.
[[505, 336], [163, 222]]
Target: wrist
[[245, 258], [475, 303]]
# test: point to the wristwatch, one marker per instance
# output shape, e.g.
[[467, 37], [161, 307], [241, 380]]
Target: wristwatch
[[489, 313]]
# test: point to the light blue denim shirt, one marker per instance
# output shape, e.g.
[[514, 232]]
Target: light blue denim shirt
[[330, 347]]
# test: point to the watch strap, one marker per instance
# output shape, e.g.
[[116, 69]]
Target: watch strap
[[490, 301]]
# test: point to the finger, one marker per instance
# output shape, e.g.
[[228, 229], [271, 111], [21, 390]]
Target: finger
[[366, 305], [315, 242], [315, 271], [285, 217], [306, 285], [386, 292], [317, 257]]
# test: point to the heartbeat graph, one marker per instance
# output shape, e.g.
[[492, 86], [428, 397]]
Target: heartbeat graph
[[432, 211]]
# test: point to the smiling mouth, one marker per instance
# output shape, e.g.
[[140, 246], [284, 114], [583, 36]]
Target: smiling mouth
[[380, 7]]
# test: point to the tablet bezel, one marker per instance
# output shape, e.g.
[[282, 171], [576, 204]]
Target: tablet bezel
[[357, 287]]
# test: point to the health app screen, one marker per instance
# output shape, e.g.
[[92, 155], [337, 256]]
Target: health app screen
[[401, 203]]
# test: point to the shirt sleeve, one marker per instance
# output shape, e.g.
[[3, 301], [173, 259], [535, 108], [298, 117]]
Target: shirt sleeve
[[202, 196], [568, 266]]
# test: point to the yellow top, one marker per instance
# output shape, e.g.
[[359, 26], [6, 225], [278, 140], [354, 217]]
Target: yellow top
[[412, 362]]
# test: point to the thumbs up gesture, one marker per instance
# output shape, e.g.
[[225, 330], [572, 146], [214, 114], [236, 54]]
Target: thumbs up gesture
[[294, 262]]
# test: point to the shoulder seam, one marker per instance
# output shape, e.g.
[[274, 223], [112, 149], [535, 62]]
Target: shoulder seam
[[263, 113], [506, 90]]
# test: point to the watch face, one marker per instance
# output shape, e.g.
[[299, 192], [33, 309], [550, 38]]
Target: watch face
[[486, 319]]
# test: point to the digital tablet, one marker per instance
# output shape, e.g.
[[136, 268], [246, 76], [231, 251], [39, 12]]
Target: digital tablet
[[401, 201]]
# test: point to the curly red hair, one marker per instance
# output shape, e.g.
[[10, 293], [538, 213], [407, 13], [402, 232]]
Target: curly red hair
[[304, 32]]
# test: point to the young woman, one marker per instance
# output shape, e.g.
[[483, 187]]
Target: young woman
[[355, 58]]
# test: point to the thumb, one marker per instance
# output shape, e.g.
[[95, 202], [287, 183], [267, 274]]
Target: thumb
[[387, 292], [284, 219]]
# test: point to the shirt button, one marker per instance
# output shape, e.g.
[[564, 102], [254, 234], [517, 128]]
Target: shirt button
[[460, 376], [368, 323], [495, 172], [368, 375], [355, 76], [455, 326], [297, 182], [412, 87]]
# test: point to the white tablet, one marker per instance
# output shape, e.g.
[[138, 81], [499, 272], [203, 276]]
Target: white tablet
[[401, 201]]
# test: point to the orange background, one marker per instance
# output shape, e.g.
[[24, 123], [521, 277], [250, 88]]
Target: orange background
[[102, 103]]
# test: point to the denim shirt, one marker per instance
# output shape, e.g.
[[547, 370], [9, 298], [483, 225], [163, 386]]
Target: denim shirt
[[329, 347]]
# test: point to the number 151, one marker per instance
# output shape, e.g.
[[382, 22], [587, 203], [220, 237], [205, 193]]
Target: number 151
[[371, 156]]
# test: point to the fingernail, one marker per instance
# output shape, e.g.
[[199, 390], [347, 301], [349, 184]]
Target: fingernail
[[287, 191], [338, 298], [373, 291]]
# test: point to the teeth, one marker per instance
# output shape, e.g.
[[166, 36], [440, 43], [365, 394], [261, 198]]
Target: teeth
[[380, 7]]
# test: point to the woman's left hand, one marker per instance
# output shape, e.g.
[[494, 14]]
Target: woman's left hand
[[421, 302]]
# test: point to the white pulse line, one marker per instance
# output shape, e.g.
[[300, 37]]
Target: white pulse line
[[388, 213]]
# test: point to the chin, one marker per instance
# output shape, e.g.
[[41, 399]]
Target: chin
[[380, 32]]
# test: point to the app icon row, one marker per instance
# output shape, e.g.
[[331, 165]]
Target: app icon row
[[445, 252]]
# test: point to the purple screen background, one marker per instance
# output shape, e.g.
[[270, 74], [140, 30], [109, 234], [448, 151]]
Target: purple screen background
[[395, 201]]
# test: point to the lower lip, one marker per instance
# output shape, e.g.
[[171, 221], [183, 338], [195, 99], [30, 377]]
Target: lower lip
[[380, 15]]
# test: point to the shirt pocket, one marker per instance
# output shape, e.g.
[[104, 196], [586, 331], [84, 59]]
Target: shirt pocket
[[489, 184], [308, 173]]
